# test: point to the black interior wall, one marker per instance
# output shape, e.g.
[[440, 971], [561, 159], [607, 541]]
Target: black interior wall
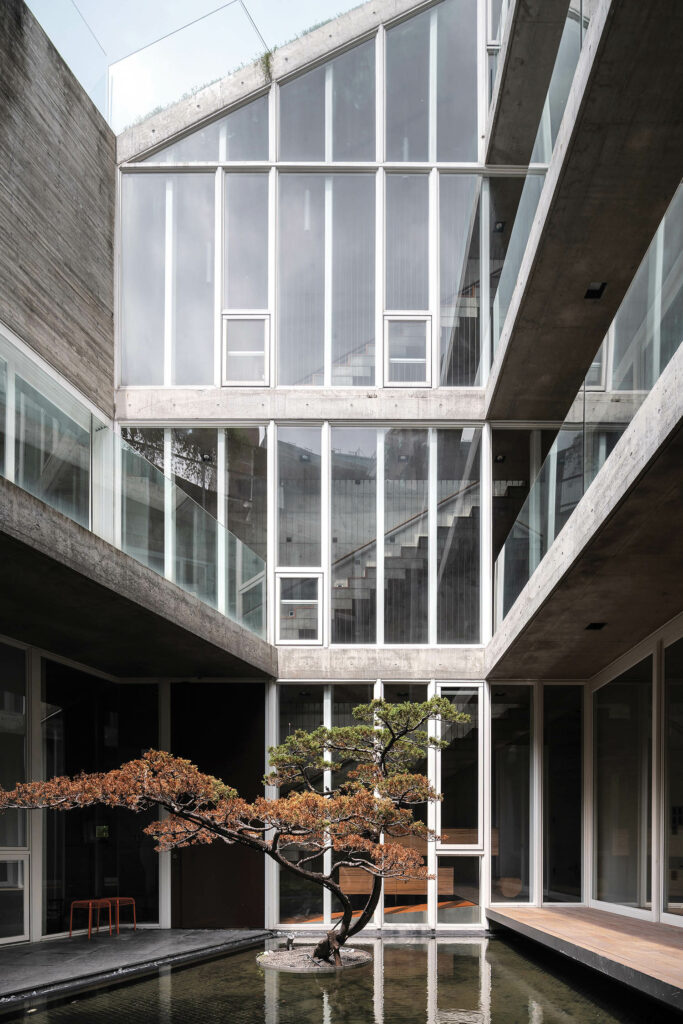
[[221, 728]]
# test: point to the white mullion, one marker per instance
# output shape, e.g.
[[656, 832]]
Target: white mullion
[[219, 222], [10, 423], [483, 22], [36, 773], [378, 916], [486, 538], [272, 274], [222, 537], [657, 776], [273, 117], [433, 371], [325, 535], [485, 878], [271, 528], [536, 816], [432, 529], [327, 301], [327, 784], [588, 799], [169, 507], [380, 244], [432, 861], [168, 286], [484, 283], [164, 710], [272, 877], [379, 613], [329, 89], [433, 71], [380, 45], [433, 980]]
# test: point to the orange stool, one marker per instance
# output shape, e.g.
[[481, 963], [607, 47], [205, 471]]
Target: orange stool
[[90, 905], [124, 901]]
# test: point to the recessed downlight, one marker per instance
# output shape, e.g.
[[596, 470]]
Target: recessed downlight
[[595, 290]]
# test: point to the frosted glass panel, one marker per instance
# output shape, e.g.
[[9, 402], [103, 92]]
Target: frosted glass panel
[[407, 89], [299, 476], [353, 104], [458, 536], [407, 235], [406, 536], [302, 117], [245, 242], [456, 104], [192, 262], [301, 279], [143, 218], [241, 135], [459, 280], [353, 280]]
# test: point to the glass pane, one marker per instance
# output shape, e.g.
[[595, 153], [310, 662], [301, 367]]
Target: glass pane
[[193, 462], [406, 536], [245, 350], [458, 890], [407, 356], [510, 792], [353, 104], [405, 899], [298, 451], [673, 779], [142, 496], [622, 724], [407, 90], [354, 535], [298, 621], [407, 241], [460, 772], [246, 459], [300, 708], [562, 782], [192, 288], [241, 135], [558, 90], [242, 368], [89, 724], [460, 280], [12, 885], [456, 86], [245, 242], [12, 743], [301, 279], [458, 536], [302, 117], [143, 219], [52, 453], [353, 280], [301, 901], [398, 693]]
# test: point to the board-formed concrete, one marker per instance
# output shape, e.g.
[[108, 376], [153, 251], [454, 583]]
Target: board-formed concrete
[[424, 405], [618, 560], [527, 55], [370, 663], [57, 201], [67, 591], [617, 163]]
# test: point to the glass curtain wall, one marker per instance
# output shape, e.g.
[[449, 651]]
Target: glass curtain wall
[[511, 735], [673, 779], [92, 725], [562, 793], [622, 771], [459, 809]]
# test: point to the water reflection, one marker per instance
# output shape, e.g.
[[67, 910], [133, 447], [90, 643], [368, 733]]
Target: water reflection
[[454, 980]]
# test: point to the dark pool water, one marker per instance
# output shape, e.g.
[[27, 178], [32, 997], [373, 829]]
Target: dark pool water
[[444, 981]]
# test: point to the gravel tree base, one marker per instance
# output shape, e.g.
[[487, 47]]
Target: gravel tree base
[[300, 960]]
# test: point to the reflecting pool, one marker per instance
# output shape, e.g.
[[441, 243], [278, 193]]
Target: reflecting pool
[[468, 980]]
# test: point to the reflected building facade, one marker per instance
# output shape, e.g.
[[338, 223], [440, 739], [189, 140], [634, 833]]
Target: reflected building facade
[[315, 281]]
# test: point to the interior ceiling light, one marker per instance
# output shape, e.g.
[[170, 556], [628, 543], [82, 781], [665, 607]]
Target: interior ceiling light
[[499, 458], [596, 625], [595, 290], [499, 227]]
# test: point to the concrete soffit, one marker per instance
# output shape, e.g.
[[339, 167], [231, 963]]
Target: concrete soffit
[[138, 141]]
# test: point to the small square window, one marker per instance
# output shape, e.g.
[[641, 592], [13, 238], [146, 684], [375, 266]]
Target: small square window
[[299, 610], [245, 350], [407, 351]]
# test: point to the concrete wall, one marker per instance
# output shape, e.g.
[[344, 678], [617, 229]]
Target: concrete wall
[[57, 201]]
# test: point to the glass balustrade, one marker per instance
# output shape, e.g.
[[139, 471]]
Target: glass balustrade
[[643, 337], [53, 446]]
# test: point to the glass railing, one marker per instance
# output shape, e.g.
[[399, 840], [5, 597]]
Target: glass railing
[[549, 126], [643, 337], [53, 446]]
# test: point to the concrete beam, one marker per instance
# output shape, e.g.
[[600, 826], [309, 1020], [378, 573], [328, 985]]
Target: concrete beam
[[619, 559], [525, 65], [138, 140], [165, 405], [617, 163], [67, 591], [369, 663]]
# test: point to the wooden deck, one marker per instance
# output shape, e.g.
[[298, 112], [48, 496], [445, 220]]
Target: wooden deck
[[646, 956]]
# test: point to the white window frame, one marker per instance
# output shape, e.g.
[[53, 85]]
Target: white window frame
[[400, 317], [12, 857], [300, 574], [233, 314]]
